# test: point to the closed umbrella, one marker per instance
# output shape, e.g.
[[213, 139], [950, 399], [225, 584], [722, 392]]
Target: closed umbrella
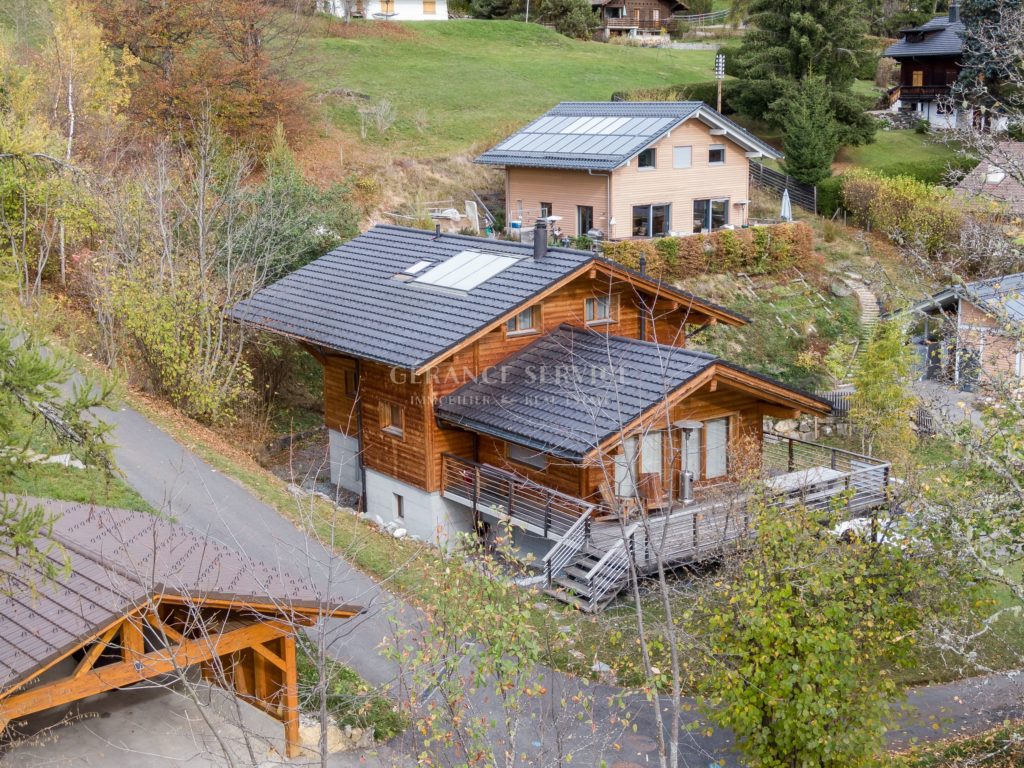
[[786, 214]]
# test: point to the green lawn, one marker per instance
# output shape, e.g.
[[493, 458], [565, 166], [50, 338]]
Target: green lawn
[[464, 83], [892, 148]]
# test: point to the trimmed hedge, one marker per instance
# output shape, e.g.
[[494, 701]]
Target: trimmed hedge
[[755, 250]]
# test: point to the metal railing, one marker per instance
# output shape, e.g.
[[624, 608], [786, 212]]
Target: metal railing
[[526, 503], [608, 573], [701, 19], [804, 195], [567, 547], [644, 22]]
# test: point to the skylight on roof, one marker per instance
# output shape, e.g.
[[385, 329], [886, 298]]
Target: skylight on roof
[[466, 270], [419, 266]]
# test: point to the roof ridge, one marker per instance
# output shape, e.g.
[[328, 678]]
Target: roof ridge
[[473, 238]]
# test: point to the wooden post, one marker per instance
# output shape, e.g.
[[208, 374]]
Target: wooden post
[[792, 462], [133, 646], [833, 451], [290, 693], [547, 513], [511, 493]]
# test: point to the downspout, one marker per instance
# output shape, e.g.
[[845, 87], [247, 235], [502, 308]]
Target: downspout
[[359, 432], [643, 306]]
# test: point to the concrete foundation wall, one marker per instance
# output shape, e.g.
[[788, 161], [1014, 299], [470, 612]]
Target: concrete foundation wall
[[428, 516], [344, 453]]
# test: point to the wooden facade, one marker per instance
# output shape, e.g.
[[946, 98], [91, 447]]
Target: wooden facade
[[413, 453], [685, 170]]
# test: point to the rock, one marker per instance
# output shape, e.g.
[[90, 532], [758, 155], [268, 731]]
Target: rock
[[600, 668], [399, 533], [295, 490], [806, 426], [826, 430], [840, 289], [338, 739], [786, 425]]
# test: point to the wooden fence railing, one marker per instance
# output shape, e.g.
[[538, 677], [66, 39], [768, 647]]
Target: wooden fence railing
[[804, 195]]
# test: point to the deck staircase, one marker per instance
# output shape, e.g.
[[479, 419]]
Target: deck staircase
[[592, 553]]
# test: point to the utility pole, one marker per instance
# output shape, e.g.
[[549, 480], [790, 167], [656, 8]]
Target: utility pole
[[720, 76]]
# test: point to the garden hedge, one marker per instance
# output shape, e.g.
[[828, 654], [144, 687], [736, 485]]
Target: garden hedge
[[755, 250]]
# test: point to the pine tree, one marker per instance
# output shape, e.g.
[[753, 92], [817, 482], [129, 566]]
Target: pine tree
[[810, 137]]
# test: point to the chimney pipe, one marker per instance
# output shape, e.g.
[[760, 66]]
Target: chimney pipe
[[540, 239], [954, 12], [437, 231], [643, 264]]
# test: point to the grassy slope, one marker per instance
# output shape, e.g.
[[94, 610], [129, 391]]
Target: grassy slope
[[894, 147], [463, 83]]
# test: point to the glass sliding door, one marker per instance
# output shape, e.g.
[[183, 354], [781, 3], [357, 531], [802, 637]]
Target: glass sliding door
[[652, 220], [710, 214]]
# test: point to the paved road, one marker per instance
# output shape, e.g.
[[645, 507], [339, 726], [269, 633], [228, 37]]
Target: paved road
[[178, 482]]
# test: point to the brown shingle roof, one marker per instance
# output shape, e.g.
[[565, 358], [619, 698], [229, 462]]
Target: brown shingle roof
[[117, 560], [1008, 159]]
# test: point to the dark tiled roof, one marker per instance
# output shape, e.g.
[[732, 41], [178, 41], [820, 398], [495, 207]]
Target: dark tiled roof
[[118, 559], [1001, 296], [350, 301], [941, 37], [571, 390], [604, 135]]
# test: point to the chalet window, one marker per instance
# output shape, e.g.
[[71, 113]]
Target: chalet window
[[392, 419], [528, 456], [716, 448], [710, 214], [917, 78], [716, 154], [647, 159], [527, 321], [387, 7], [546, 209], [584, 219], [651, 453], [429, 7], [351, 386], [651, 220], [682, 157], [601, 309]]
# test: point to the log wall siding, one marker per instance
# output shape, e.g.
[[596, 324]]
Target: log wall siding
[[560, 474], [339, 407], [998, 352], [632, 185]]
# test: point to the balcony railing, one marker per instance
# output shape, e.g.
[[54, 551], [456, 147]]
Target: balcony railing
[[644, 23]]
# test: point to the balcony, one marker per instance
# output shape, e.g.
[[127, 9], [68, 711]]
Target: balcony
[[643, 24], [593, 546]]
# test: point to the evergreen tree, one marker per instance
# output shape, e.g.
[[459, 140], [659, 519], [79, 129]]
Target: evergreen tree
[[810, 137], [792, 39]]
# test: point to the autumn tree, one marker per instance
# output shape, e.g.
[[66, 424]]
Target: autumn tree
[[883, 403]]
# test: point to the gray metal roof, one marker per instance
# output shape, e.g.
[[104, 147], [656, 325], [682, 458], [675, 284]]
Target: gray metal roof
[[572, 389], [605, 135], [1002, 296], [350, 300], [118, 559], [941, 37]]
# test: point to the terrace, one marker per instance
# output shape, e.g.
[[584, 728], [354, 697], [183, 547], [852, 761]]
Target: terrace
[[594, 542]]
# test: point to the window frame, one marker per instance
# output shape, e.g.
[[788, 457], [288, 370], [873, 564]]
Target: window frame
[[387, 7], [917, 78], [612, 302], [534, 460], [432, 5], [727, 418], [716, 148], [709, 213], [689, 157], [350, 382], [512, 327], [392, 419], [546, 209], [399, 506], [650, 219], [650, 152]]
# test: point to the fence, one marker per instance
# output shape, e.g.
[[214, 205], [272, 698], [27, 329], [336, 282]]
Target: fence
[[702, 19], [839, 399], [804, 195]]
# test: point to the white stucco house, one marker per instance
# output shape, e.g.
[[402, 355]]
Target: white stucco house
[[390, 10]]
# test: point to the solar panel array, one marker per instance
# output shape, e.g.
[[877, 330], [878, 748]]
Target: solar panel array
[[466, 270], [600, 135]]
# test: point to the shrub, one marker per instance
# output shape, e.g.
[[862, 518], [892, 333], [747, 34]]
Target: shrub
[[830, 192], [922, 127], [907, 210], [755, 250]]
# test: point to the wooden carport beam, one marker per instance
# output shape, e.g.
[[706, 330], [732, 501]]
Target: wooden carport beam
[[139, 666]]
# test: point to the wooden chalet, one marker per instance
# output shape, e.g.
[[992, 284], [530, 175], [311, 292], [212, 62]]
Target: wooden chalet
[[139, 598], [636, 17], [469, 381]]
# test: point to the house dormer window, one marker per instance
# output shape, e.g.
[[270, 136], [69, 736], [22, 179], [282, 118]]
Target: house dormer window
[[716, 154], [647, 159], [527, 321]]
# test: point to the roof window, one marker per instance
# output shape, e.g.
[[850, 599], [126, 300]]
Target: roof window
[[466, 270]]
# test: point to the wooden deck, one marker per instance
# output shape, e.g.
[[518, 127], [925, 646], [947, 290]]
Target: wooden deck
[[592, 548]]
